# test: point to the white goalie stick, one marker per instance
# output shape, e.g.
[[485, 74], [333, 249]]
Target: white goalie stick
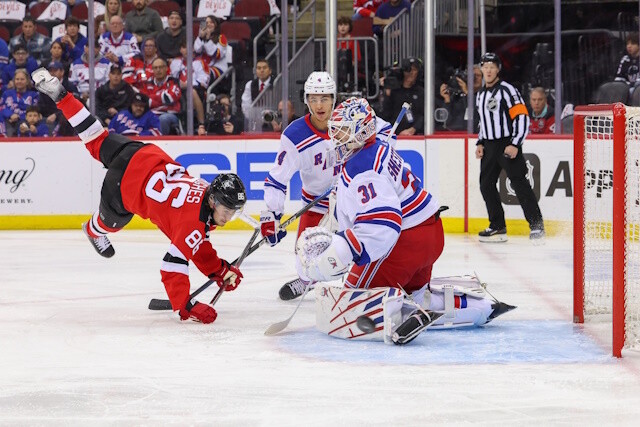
[[281, 326], [403, 111], [165, 304]]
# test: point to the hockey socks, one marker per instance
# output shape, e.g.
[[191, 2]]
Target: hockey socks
[[86, 126], [96, 231]]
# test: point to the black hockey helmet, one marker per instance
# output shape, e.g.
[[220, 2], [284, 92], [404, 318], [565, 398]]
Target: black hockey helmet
[[227, 189], [491, 57]]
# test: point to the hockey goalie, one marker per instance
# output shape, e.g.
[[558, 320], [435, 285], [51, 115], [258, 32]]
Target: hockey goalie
[[389, 235]]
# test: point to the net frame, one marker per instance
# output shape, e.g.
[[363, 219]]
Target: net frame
[[606, 235]]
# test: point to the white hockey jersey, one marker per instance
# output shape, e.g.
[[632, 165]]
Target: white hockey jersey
[[377, 197], [306, 149]]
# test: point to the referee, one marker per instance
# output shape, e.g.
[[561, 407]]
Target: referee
[[504, 124]]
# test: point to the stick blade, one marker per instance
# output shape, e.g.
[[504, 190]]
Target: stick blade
[[276, 328], [160, 304]]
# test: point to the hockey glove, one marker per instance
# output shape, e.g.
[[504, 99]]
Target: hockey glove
[[270, 227], [198, 312], [228, 273]]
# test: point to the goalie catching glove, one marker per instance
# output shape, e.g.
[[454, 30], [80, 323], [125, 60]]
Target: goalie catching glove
[[270, 227], [198, 312], [228, 273], [323, 255]]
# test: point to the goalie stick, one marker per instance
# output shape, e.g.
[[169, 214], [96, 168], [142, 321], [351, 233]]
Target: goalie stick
[[280, 326], [403, 111], [165, 304]]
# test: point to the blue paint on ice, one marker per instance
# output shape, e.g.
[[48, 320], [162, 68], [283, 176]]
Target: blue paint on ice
[[530, 341]]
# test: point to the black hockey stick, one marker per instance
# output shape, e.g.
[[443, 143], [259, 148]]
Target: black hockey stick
[[163, 304]]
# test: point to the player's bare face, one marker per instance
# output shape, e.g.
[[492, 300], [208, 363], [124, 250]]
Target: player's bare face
[[320, 107], [222, 214], [490, 73]]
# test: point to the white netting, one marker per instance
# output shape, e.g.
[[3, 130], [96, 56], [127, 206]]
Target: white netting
[[598, 214]]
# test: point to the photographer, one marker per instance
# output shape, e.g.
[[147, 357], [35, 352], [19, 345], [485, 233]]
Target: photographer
[[400, 86], [272, 121], [454, 94], [221, 122]]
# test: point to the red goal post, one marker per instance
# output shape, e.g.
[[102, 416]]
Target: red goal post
[[606, 276]]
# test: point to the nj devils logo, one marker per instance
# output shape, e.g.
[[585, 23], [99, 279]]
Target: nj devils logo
[[508, 194]]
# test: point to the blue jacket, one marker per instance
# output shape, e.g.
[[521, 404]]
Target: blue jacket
[[14, 102]]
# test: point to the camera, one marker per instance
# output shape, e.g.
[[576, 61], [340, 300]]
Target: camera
[[452, 83], [269, 115], [395, 74], [218, 112]]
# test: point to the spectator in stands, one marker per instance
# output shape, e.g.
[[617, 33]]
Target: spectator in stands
[[56, 51], [253, 87], [542, 115], [348, 52], [58, 124], [111, 8], [33, 125], [454, 96], [164, 93], [4, 54], [275, 125], [137, 119], [386, 12], [142, 21], [118, 45], [37, 44], [72, 42], [140, 68], [15, 101], [212, 46], [170, 40], [221, 121], [409, 91], [629, 67], [113, 96], [200, 77], [365, 8], [21, 59], [79, 72]]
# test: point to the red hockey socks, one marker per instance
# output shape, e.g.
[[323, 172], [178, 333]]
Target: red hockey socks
[[86, 126]]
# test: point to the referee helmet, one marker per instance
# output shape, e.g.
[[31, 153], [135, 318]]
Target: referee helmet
[[491, 57]]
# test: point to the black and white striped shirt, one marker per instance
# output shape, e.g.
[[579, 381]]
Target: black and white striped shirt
[[502, 113]]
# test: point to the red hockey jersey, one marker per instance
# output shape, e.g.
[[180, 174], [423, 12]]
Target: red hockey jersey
[[156, 187]]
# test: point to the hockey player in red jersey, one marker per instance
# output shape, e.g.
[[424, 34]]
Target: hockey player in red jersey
[[142, 179]]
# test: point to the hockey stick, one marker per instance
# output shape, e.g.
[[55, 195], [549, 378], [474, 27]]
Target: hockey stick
[[280, 326], [403, 111], [163, 304]]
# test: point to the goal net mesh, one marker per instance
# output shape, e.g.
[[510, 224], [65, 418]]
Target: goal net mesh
[[598, 215]]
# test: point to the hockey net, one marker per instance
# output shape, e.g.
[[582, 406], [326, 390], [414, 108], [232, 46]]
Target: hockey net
[[607, 220]]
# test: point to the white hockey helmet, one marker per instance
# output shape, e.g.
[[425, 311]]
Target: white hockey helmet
[[351, 126], [320, 83]]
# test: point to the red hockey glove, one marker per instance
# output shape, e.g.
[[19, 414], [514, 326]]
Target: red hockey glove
[[198, 312], [230, 274]]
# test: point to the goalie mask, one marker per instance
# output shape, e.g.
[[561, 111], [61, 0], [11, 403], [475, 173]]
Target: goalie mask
[[319, 83], [352, 125], [227, 194]]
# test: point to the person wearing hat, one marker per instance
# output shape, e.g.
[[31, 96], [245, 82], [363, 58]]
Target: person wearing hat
[[20, 59], [504, 125], [58, 125], [113, 96], [170, 39], [137, 120]]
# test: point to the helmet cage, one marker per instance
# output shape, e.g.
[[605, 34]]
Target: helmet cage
[[352, 124]]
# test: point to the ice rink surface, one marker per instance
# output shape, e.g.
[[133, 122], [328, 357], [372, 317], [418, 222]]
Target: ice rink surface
[[79, 347]]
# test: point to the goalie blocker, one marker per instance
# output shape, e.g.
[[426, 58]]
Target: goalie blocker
[[448, 302]]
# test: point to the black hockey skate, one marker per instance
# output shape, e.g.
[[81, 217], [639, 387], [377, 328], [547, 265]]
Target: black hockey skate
[[492, 235], [499, 308], [102, 245], [293, 289], [417, 322]]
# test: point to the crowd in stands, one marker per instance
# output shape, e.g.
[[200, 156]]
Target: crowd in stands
[[140, 71]]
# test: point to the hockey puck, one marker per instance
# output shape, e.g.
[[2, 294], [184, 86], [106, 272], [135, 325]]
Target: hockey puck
[[365, 324]]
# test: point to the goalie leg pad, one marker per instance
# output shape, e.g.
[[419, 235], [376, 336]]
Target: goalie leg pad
[[467, 311]]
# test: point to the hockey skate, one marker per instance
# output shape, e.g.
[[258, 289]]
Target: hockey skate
[[102, 245], [293, 289], [48, 84], [491, 235], [417, 322], [499, 308], [537, 236]]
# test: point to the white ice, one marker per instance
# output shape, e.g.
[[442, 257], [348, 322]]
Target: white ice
[[79, 347]]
